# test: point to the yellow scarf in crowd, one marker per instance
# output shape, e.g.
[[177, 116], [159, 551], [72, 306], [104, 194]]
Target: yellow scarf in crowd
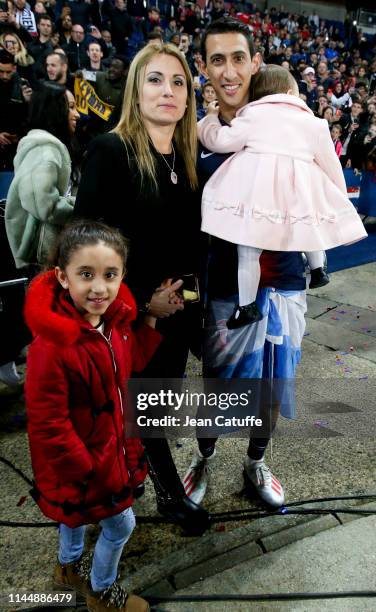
[[86, 99]]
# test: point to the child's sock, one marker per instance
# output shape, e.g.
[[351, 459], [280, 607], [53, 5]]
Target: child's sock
[[316, 259], [248, 274]]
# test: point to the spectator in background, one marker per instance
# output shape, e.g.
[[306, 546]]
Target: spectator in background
[[37, 209], [94, 35], [153, 19], [41, 46], [14, 98], [218, 10], [137, 8], [328, 114], [350, 121], [64, 26], [185, 46], [323, 77], [109, 85], [58, 71], [24, 17], [75, 50], [171, 29], [175, 40], [336, 132], [208, 95], [120, 23], [111, 49], [23, 60], [308, 86], [84, 12], [95, 55]]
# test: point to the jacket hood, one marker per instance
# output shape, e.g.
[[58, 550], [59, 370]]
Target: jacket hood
[[50, 313], [277, 99], [37, 138]]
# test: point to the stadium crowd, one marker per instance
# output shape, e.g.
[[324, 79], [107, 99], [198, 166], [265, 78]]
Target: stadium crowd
[[64, 42]]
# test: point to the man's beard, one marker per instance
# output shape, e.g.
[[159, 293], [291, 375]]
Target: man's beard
[[59, 75]]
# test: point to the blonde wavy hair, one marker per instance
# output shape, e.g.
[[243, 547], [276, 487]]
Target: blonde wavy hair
[[21, 57], [131, 127]]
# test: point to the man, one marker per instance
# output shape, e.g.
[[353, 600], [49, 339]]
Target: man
[[307, 86], [323, 77], [13, 109], [75, 50], [57, 70], [354, 131], [229, 62], [120, 23], [65, 28], [95, 55], [40, 47], [24, 17], [110, 84]]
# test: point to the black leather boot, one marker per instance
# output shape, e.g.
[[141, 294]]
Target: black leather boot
[[244, 315], [174, 504], [193, 519], [319, 278]]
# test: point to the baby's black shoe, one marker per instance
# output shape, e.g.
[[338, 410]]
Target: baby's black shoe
[[319, 278], [244, 315]]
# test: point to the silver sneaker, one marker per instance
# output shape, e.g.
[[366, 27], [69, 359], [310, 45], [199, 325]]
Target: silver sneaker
[[267, 486], [196, 479]]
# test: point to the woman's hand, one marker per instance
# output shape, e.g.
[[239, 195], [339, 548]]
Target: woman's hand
[[165, 301]]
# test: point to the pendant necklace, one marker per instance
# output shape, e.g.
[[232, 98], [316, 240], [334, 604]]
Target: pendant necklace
[[173, 175]]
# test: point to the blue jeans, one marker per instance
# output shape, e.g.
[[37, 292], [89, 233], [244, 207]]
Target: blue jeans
[[116, 531]]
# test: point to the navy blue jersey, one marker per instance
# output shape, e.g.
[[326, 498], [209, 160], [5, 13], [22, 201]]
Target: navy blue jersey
[[282, 270]]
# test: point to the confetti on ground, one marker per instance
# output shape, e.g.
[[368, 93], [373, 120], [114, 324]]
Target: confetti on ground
[[342, 312], [320, 423], [363, 377], [21, 501], [335, 318]]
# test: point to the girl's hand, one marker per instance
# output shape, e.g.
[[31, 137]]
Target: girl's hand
[[160, 304], [213, 108]]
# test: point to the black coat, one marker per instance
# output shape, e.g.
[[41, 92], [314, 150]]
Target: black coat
[[163, 228]]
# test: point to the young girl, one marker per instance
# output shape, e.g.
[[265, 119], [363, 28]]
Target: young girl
[[335, 132], [85, 469], [283, 190]]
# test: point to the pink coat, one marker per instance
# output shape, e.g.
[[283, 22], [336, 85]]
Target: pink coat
[[284, 188]]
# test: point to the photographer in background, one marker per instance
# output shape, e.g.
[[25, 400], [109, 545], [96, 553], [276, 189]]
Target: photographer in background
[[15, 94]]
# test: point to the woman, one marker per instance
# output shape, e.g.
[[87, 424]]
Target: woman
[[38, 204], [141, 178], [39, 200], [13, 44]]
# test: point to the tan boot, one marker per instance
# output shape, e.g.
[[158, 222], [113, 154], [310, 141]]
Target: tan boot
[[73, 576], [115, 599]]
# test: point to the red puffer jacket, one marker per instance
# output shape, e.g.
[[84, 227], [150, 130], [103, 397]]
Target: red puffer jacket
[[84, 467]]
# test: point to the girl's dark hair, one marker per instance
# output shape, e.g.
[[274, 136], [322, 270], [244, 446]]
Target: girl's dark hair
[[49, 111], [271, 79], [83, 233]]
